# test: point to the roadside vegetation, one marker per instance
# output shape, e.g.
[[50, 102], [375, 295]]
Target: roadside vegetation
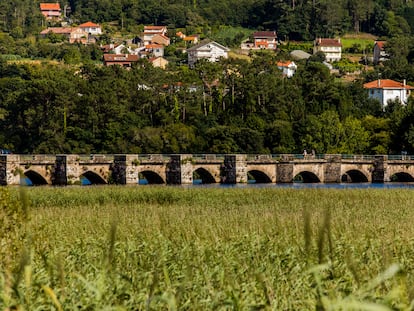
[[129, 248]]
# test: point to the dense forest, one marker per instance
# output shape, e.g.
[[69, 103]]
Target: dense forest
[[75, 105]]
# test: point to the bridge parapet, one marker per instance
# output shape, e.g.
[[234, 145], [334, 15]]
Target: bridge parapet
[[37, 158], [96, 158]]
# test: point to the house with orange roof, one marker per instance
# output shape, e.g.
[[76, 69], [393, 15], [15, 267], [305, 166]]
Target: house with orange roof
[[385, 90], [51, 11], [179, 34], [193, 39], [91, 28], [288, 68], [265, 40], [157, 50], [380, 54], [160, 39], [124, 60], [151, 31], [332, 48]]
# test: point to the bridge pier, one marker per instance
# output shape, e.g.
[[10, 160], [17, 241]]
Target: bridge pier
[[378, 172], [234, 169], [66, 170], [332, 169], [124, 169], [10, 169]]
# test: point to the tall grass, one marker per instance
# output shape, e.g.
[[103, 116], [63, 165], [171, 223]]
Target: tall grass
[[157, 248]]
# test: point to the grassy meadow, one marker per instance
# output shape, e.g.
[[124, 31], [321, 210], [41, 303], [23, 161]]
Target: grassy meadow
[[173, 248]]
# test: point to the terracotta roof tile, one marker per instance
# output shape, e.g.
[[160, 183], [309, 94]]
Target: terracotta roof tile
[[328, 42], [88, 24], [264, 34], [50, 6], [120, 57], [380, 44], [386, 84]]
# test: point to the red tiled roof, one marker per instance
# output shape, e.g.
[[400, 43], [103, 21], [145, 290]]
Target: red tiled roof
[[154, 27], [284, 64], [190, 38], [386, 84], [264, 34], [380, 44], [154, 46], [328, 42], [50, 6], [120, 57], [88, 24]]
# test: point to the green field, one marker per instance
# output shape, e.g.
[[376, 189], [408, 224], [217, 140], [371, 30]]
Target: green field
[[171, 248]]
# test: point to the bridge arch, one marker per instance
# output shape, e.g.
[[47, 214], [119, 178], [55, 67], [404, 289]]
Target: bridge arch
[[35, 178], [402, 177], [258, 177], [151, 177], [94, 178], [306, 177], [204, 175], [354, 176]]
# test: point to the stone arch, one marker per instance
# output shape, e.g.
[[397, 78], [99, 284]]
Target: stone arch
[[151, 177], [204, 175], [94, 178], [354, 176], [306, 177], [402, 177], [259, 177], [35, 178]]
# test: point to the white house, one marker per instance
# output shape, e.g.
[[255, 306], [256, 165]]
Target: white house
[[210, 50], [91, 28], [332, 48], [265, 40], [288, 68], [151, 31], [385, 90]]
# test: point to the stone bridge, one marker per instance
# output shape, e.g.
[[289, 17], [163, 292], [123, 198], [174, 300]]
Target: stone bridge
[[210, 168]]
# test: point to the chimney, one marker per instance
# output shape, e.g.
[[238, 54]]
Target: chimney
[[404, 82], [379, 82]]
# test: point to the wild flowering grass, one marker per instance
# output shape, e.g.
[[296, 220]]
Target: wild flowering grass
[[158, 248]]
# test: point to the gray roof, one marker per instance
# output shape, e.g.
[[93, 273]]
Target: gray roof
[[299, 54]]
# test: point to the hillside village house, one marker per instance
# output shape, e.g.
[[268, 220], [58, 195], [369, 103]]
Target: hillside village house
[[332, 48], [385, 90], [380, 54], [288, 68], [91, 28], [160, 39], [124, 60], [73, 34], [265, 40], [160, 62], [51, 11], [157, 50], [210, 50], [261, 40], [151, 31]]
